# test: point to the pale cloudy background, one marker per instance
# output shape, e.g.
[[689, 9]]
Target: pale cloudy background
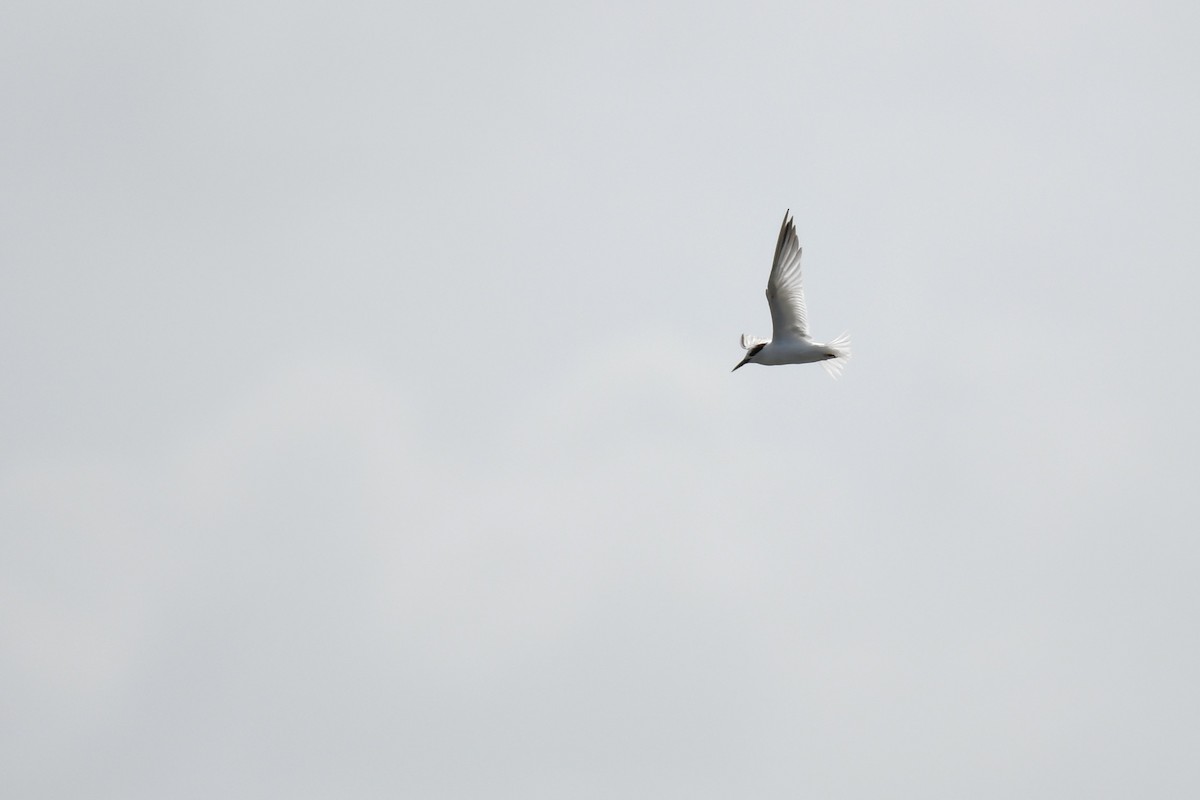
[[367, 427]]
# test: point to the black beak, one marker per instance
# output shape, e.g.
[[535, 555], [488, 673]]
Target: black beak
[[741, 364]]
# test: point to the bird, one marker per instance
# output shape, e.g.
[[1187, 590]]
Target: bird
[[790, 342]]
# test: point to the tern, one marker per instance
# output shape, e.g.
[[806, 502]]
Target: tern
[[790, 342]]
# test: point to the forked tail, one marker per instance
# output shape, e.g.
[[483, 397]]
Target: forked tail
[[841, 346]]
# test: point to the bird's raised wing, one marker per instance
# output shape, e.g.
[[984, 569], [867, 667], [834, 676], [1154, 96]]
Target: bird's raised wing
[[785, 292]]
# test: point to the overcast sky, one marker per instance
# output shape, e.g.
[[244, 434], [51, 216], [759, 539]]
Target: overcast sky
[[367, 427]]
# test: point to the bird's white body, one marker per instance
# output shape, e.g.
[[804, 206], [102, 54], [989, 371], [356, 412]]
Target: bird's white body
[[793, 351], [790, 342]]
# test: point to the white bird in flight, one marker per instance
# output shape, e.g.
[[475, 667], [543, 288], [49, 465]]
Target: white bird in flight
[[790, 342]]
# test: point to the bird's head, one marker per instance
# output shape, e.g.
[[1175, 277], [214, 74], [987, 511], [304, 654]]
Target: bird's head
[[749, 359]]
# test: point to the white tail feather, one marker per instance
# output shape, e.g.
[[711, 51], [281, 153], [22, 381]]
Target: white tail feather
[[834, 366]]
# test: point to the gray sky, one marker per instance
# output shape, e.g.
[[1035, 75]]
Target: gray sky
[[367, 426]]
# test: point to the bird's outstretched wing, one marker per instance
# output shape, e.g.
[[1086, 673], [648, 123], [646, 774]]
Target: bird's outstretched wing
[[785, 292]]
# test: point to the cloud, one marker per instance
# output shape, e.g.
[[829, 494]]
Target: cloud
[[311, 540], [370, 428]]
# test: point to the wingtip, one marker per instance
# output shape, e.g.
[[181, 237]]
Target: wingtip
[[789, 223]]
